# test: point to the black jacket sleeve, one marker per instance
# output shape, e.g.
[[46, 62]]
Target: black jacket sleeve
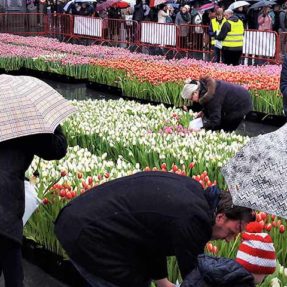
[[283, 84], [190, 238], [158, 267], [283, 78], [226, 27], [213, 111], [50, 146]]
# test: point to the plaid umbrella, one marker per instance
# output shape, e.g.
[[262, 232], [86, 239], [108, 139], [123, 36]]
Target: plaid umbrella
[[256, 175], [29, 106]]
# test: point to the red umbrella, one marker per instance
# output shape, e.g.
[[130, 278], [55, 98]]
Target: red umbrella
[[121, 5]]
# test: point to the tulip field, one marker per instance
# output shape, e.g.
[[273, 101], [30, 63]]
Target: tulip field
[[114, 138], [111, 139]]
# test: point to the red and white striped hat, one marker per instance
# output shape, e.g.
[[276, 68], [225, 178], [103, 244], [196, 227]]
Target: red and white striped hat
[[256, 252]]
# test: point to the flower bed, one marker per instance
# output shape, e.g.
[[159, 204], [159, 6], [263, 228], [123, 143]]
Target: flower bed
[[126, 137], [141, 76], [111, 139]]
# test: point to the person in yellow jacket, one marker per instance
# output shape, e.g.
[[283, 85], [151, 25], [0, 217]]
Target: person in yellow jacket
[[213, 30], [231, 36]]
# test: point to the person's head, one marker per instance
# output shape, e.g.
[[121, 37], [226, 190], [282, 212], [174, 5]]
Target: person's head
[[183, 10], [164, 7], [190, 90], [228, 13], [187, 7], [229, 219], [219, 14], [276, 7], [265, 10], [256, 252]]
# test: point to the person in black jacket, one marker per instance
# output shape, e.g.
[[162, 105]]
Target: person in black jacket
[[138, 14], [15, 157], [120, 233], [224, 104], [283, 84]]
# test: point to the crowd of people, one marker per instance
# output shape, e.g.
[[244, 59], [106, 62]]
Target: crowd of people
[[120, 233], [223, 23]]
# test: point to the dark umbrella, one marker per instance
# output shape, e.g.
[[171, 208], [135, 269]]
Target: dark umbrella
[[262, 3]]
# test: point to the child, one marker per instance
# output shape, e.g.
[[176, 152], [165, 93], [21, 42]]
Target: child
[[255, 259]]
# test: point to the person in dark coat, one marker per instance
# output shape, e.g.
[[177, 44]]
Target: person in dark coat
[[283, 84], [224, 104], [138, 14], [255, 259], [121, 232], [15, 157], [218, 272]]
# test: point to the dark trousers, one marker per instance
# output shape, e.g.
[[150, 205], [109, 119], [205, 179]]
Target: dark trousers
[[11, 262], [217, 53], [231, 124], [231, 57]]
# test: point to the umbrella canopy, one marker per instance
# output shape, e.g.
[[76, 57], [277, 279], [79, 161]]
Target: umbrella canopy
[[106, 4], [29, 106], [206, 7], [238, 4], [84, 1], [262, 3], [256, 175], [154, 3], [121, 5]]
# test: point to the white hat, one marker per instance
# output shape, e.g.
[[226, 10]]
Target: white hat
[[229, 11], [189, 89]]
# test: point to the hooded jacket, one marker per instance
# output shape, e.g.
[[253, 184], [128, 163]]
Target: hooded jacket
[[222, 102], [123, 230], [218, 272]]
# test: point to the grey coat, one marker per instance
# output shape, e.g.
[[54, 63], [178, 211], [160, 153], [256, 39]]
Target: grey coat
[[15, 157]]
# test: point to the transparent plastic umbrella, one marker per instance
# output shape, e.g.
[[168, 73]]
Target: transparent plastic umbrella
[[238, 4], [262, 3]]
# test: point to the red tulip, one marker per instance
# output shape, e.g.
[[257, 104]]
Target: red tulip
[[63, 173], [268, 227], [45, 201]]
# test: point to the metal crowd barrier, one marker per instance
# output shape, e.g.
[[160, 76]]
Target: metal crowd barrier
[[120, 32], [23, 23], [261, 46], [193, 40]]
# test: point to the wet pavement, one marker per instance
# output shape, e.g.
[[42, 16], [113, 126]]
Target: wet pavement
[[35, 277], [79, 91]]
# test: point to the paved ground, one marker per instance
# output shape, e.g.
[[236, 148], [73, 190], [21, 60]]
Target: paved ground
[[35, 277]]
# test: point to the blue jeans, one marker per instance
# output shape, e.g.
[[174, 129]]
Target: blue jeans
[[92, 280]]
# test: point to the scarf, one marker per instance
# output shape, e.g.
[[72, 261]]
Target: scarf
[[184, 16]]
